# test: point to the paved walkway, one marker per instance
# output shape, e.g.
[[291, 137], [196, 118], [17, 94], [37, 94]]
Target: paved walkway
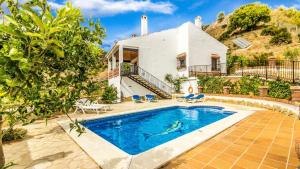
[[264, 140]]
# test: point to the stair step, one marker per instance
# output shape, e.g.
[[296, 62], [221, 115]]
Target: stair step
[[138, 79]]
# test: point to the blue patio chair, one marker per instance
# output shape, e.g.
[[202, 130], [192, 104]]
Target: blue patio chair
[[137, 99], [150, 98]]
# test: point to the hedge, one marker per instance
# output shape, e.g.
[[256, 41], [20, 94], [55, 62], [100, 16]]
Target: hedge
[[247, 85]]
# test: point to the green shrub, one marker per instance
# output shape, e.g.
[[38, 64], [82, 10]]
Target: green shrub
[[211, 84], [247, 17], [291, 54], [279, 89], [13, 134], [282, 36], [249, 84], [110, 94], [233, 87], [269, 31], [260, 59], [175, 82], [236, 59], [224, 36]]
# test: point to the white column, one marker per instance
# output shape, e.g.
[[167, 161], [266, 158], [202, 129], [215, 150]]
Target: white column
[[120, 56], [120, 63], [109, 63], [113, 62]]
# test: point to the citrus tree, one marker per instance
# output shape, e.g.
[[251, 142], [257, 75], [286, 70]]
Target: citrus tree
[[46, 59]]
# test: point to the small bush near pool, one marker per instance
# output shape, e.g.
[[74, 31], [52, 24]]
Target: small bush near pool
[[110, 94], [211, 84], [279, 89], [13, 134], [249, 85]]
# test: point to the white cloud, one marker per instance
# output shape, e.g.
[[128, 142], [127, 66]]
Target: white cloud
[[55, 5], [197, 4], [113, 7], [296, 5]]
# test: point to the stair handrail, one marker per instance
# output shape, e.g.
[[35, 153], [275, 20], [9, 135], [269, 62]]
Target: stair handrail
[[130, 69]]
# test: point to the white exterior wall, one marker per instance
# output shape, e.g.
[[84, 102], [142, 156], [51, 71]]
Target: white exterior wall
[[157, 52], [129, 88], [202, 46], [191, 82], [183, 47]]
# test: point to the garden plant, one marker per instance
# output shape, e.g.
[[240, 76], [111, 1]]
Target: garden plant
[[47, 58]]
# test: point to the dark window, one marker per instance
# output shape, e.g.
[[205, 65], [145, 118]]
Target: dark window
[[215, 64], [181, 61]]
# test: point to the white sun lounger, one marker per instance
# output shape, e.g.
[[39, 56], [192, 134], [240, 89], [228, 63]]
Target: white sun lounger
[[86, 105]]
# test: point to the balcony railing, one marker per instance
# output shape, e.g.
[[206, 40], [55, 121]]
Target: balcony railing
[[218, 69]]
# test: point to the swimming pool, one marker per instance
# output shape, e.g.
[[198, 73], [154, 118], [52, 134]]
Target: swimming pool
[[138, 132]]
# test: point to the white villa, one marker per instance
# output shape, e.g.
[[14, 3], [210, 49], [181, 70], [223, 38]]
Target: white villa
[[138, 65]]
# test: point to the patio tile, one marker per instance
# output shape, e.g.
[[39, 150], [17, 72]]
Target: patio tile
[[194, 164], [237, 167], [277, 157], [243, 162], [266, 167], [227, 157], [250, 157], [220, 164], [209, 167], [274, 163], [203, 158]]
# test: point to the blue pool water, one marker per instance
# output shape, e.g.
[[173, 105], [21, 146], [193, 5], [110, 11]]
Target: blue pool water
[[137, 132]]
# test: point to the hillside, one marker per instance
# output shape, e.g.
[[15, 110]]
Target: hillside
[[259, 44]]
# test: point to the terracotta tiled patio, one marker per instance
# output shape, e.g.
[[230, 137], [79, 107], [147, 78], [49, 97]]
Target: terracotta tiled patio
[[264, 140]]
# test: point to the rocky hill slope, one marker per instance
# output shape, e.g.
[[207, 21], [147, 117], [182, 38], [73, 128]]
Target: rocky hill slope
[[280, 17]]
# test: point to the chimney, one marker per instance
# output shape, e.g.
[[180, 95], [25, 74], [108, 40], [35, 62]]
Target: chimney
[[144, 25], [198, 22]]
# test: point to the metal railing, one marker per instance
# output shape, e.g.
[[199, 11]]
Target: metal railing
[[129, 69], [272, 69], [216, 70]]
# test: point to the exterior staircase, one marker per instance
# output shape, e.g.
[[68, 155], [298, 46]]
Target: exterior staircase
[[147, 80]]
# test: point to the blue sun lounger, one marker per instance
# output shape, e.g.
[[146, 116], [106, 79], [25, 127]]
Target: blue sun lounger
[[185, 98], [136, 99], [150, 98], [200, 97]]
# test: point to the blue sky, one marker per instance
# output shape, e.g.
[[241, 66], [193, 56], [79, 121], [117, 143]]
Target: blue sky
[[121, 18]]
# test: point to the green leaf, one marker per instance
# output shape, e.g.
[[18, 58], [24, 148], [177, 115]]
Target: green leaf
[[11, 83], [36, 19], [55, 42], [33, 34], [11, 20], [58, 52], [55, 30], [10, 31]]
